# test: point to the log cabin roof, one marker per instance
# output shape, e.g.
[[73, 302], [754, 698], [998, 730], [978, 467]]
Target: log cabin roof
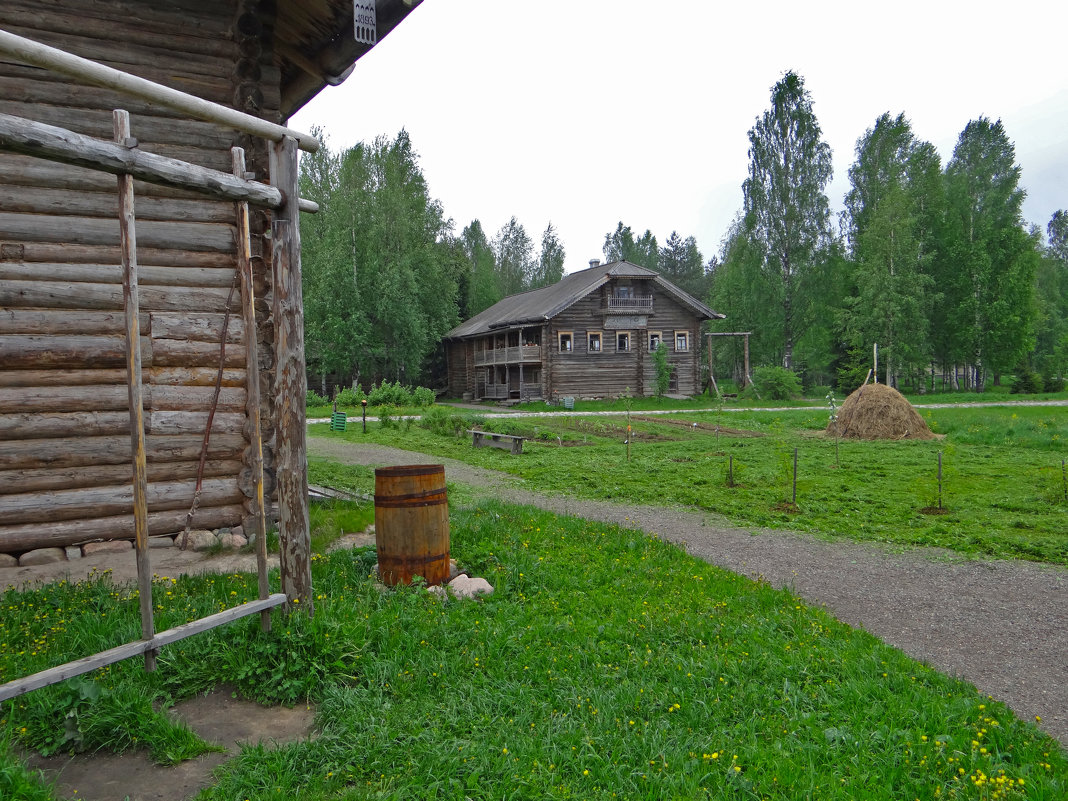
[[316, 47], [539, 305]]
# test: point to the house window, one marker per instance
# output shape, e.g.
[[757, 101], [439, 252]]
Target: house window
[[567, 342], [622, 341], [593, 341], [682, 341], [655, 338]]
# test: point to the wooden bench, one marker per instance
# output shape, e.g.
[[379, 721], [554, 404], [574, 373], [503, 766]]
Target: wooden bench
[[487, 439]]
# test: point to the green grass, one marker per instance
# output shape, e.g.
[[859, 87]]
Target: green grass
[[606, 664], [330, 519], [1003, 488]]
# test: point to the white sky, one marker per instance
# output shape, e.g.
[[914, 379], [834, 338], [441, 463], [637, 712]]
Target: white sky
[[588, 112]]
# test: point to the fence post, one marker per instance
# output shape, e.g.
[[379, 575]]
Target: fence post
[[290, 381]]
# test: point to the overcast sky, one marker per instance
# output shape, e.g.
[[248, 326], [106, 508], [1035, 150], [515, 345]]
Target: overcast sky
[[587, 112]]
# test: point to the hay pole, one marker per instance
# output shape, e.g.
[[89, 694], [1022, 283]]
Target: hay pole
[[1064, 481], [940, 480], [795, 479]]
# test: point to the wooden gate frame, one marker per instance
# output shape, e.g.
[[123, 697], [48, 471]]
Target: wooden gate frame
[[123, 159], [746, 335]]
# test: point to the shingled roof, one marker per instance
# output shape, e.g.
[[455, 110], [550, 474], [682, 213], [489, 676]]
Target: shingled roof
[[539, 305]]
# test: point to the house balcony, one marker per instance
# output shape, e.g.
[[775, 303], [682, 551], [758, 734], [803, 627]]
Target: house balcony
[[519, 354], [629, 305]]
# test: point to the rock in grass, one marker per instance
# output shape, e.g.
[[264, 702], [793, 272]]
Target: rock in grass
[[467, 587]]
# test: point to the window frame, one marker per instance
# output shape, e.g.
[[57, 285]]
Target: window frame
[[590, 338], [686, 347], [570, 335], [659, 337], [626, 334]]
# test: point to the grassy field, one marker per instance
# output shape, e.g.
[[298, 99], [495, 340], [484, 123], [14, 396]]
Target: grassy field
[[1003, 492], [606, 665]]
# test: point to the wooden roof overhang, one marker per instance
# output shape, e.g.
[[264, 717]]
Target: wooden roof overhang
[[316, 47]]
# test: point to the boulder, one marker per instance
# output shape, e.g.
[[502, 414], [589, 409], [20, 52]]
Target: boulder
[[200, 540], [232, 542], [7, 560], [73, 552], [109, 546], [467, 587], [42, 556], [165, 541]]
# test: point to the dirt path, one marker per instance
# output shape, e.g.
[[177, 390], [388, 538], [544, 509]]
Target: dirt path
[[1003, 626]]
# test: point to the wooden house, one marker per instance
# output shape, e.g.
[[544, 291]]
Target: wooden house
[[65, 412], [591, 334]]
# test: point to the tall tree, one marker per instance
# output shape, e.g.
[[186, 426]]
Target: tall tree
[[886, 232], [619, 244], [484, 289], [682, 263], [381, 280], [550, 260], [789, 168], [646, 253], [990, 263], [514, 251], [1051, 295]]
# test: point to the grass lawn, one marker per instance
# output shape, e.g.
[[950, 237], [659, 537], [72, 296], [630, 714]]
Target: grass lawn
[[607, 664], [1004, 491]]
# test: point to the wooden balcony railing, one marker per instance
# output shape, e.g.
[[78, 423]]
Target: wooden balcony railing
[[630, 304], [513, 355]]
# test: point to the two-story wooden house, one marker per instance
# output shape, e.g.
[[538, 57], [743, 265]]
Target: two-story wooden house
[[591, 334]]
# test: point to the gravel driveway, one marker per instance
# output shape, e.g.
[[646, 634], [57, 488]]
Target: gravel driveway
[[1003, 626]]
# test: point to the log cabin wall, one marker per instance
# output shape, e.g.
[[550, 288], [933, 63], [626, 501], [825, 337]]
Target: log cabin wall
[[611, 372], [65, 474]]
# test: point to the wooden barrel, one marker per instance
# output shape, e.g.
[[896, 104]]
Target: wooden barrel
[[412, 523]]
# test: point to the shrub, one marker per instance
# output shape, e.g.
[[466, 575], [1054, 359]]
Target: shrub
[[1026, 382], [389, 394], [776, 383], [422, 396], [350, 397], [1052, 383], [663, 369], [313, 398]]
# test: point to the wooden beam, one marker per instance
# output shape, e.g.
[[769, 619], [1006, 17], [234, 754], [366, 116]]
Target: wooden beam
[[58, 144], [252, 389], [128, 244], [45, 678], [291, 383], [82, 69]]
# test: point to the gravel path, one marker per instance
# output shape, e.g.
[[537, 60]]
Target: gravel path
[[1003, 626]]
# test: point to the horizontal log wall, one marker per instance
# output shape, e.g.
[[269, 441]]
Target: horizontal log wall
[[65, 462], [610, 372]]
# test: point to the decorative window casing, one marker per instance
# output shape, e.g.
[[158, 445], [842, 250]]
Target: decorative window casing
[[622, 341], [594, 341], [655, 338], [566, 340], [682, 341]]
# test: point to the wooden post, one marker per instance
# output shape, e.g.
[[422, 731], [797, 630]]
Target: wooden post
[[746, 378], [252, 373], [291, 383], [128, 240]]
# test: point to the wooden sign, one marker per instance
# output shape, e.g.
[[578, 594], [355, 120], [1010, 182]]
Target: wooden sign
[[364, 21], [626, 322]]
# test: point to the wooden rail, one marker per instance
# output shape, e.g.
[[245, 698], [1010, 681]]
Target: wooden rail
[[31, 138], [90, 663], [50, 58]]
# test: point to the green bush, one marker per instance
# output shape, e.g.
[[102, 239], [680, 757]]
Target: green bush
[[387, 394], [1026, 382], [1052, 383], [422, 396], [662, 368], [350, 397], [776, 383], [313, 398]]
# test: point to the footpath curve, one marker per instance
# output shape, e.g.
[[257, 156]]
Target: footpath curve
[[1001, 625]]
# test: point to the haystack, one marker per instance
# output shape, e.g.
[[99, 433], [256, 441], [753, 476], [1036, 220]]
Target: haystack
[[876, 411]]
